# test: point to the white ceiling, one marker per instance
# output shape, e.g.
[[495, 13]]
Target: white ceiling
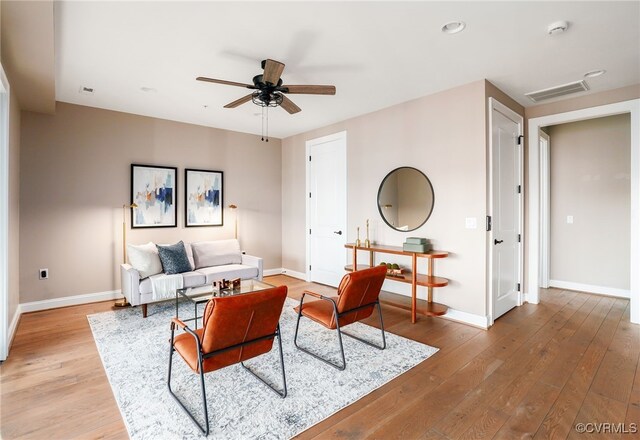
[[377, 54]]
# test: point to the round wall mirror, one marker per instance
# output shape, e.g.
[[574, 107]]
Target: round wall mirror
[[405, 199]]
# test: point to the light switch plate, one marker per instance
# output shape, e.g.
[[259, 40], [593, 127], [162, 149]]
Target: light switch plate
[[471, 223]]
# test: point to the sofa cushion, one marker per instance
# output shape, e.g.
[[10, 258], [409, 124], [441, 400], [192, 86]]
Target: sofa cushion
[[145, 259], [194, 279], [216, 253], [145, 286], [190, 279], [229, 272], [187, 247], [174, 258]]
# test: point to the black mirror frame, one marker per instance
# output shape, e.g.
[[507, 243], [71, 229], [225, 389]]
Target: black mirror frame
[[433, 197]]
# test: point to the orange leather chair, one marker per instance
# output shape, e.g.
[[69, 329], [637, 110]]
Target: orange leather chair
[[235, 329], [357, 297]]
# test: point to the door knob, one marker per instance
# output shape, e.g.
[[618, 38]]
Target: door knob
[[337, 232], [497, 241]]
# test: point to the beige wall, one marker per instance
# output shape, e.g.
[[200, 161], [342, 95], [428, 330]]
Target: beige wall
[[75, 177], [14, 206], [28, 52], [443, 135], [590, 171]]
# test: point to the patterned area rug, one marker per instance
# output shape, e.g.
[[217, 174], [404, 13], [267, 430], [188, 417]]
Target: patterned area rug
[[135, 354]]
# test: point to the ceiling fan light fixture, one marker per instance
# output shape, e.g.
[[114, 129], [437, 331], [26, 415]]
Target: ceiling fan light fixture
[[266, 99], [453, 27]]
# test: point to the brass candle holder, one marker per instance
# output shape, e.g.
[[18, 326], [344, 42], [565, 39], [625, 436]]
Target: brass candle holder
[[367, 243], [358, 236]]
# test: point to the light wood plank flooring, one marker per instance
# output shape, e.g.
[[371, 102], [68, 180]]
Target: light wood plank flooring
[[536, 373]]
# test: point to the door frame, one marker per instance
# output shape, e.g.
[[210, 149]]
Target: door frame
[[5, 109], [631, 107], [544, 142], [341, 135], [492, 105]]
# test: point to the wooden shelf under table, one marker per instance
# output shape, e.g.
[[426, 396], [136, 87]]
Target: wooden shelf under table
[[421, 280], [404, 302], [429, 308]]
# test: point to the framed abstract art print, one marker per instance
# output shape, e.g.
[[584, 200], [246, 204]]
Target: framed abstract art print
[[203, 198], [153, 190]]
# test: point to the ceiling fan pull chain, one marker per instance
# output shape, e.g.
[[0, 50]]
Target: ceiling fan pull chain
[[262, 129], [267, 134]]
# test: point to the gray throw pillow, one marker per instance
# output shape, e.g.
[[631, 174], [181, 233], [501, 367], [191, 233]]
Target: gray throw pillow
[[174, 258]]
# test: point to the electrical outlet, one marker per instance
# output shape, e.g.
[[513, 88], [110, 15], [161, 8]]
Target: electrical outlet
[[43, 274]]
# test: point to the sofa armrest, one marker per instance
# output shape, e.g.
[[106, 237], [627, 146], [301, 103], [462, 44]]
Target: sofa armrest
[[130, 283], [250, 260]]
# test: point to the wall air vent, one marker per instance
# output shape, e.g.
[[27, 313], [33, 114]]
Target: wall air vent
[[85, 90], [554, 92]]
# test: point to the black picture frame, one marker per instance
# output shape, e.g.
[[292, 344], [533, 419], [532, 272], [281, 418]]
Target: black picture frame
[[203, 198], [154, 189]]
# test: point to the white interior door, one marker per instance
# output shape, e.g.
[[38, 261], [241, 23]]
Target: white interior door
[[506, 212], [327, 208]]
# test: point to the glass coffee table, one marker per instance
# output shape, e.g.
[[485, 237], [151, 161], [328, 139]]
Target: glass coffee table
[[201, 294]]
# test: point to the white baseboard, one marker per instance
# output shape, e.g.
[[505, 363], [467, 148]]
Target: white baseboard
[[271, 272], [55, 303], [295, 274], [283, 271], [467, 318], [14, 325], [589, 288]]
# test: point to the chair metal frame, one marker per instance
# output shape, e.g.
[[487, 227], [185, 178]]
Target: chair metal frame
[[337, 316], [203, 356]]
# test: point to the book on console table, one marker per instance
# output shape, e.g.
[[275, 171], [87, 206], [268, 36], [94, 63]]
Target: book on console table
[[416, 240]]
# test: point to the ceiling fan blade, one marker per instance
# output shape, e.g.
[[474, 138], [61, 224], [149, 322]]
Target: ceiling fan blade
[[238, 102], [222, 81], [309, 90], [272, 71], [289, 106]]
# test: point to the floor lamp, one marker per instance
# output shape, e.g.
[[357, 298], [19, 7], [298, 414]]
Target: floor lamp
[[123, 302], [234, 207]]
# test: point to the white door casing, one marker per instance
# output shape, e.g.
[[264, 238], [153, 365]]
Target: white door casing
[[326, 208], [631, 107], [4, 215], [545, 207], [505, 238]]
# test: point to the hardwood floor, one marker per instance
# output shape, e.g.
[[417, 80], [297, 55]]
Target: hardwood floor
[[537, 372]]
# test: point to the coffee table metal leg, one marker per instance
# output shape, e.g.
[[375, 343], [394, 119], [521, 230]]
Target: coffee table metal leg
[[195, 313]]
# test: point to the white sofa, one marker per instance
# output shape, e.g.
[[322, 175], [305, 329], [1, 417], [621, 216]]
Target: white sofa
[[210, 260]]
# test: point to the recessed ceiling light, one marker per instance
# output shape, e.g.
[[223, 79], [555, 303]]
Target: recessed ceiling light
[[453, 27], [594, 73], [148, 89], [557, 27]]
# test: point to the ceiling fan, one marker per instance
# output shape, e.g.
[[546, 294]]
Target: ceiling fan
[[269, 89]]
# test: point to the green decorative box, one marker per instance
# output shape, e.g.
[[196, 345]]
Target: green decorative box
[[416, 240], [420, 248]]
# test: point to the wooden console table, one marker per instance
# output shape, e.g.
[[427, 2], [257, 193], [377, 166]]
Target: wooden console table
[[414, 278]]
